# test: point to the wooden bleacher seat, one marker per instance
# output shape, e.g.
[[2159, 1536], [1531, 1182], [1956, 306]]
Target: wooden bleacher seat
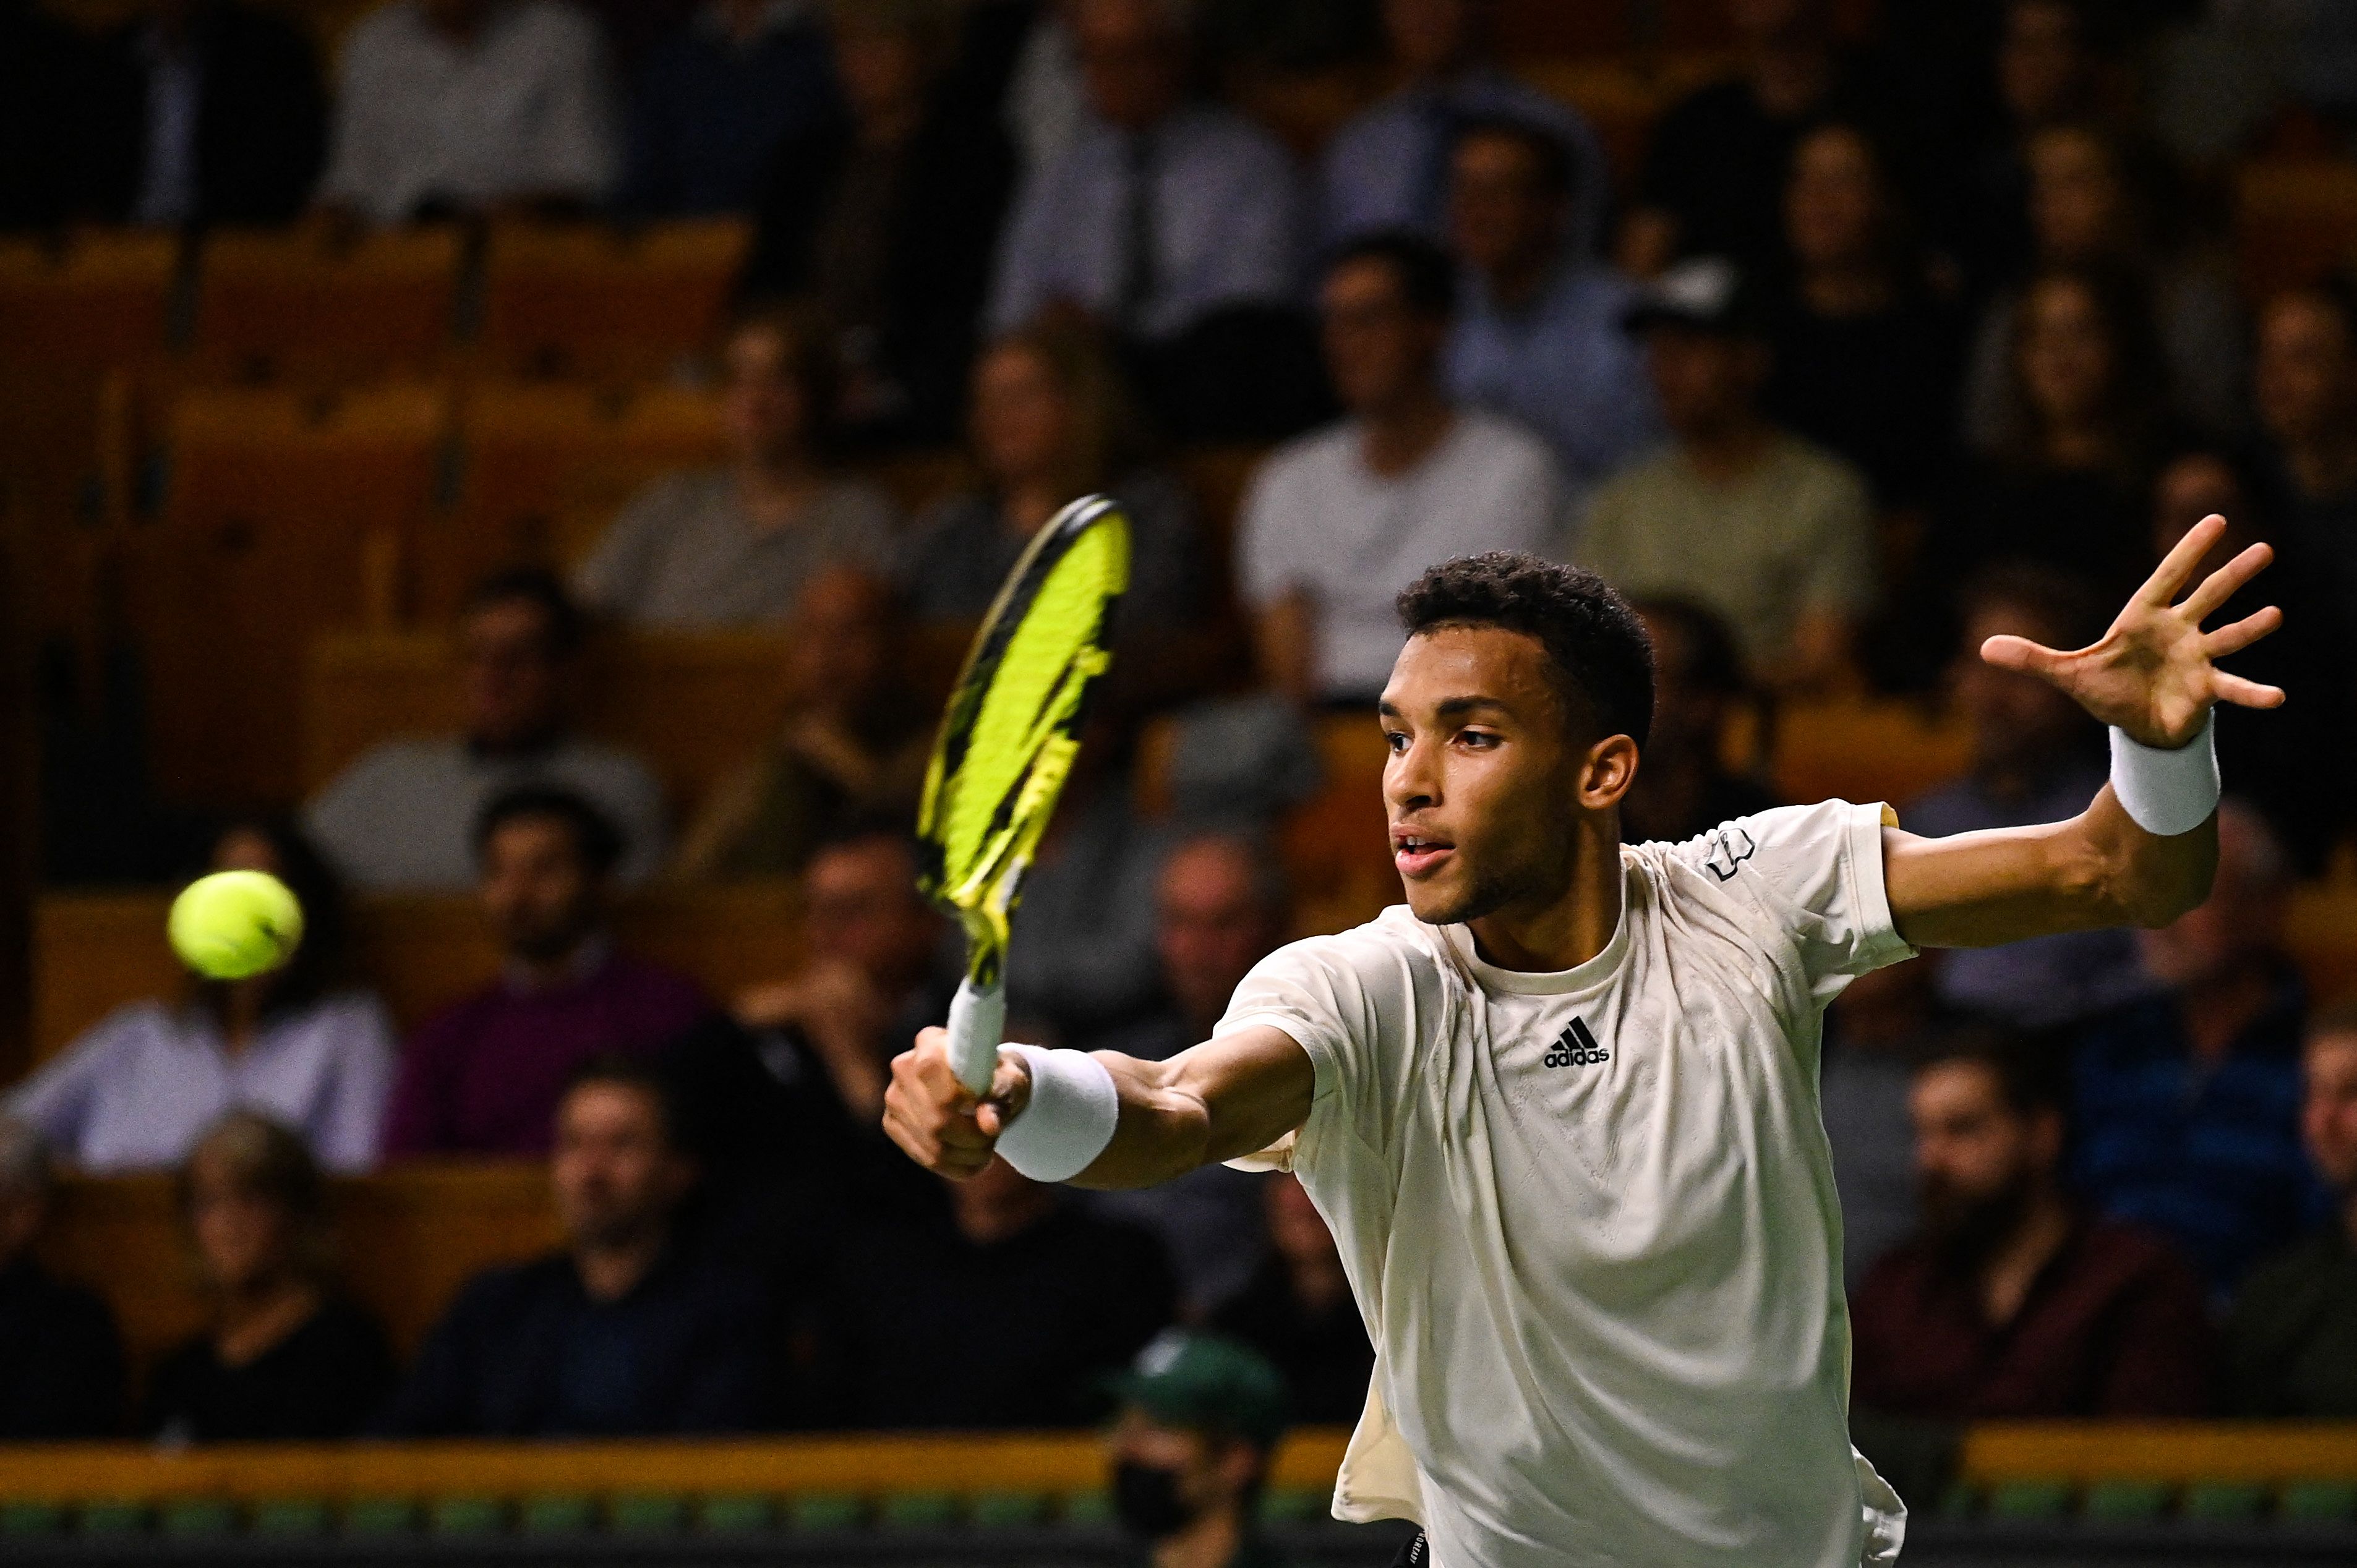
[[102, 298], [2321, 927], [92, 953], [274, 303], [1335, 846], [282, 518], [1864, 750], [594, 301], [2295, 222]]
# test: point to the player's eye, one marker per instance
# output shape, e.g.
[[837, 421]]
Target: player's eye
[[1478, 739], [1395, 739]]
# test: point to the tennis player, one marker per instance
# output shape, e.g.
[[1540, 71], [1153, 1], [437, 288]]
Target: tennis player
[[1561, 1110]]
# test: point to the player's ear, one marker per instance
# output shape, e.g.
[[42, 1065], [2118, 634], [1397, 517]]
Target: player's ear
[[1606, 771]]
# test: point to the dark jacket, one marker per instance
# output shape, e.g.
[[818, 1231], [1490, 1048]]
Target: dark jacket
[[60, 1360], [322, 1380]]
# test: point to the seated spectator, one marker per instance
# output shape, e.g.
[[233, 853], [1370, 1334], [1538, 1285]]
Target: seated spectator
[[60, 1359], [1866, 347], [402, 816], [283, 1360], [300, 1044], [1006, 1315], [1200, 1422], [2291, 1343], [1297, 1310], [2013, 1304], [1772, 532], [469, 106], [1047, 97], [209, 113], [1538, 335], [1387, 167], [2035, 756], [482, 1076], [2065, 483], [733, 546], [1685, 786], [1051, 422], [1174, 224], [1875, 1033], [886, 217], [621, 1331], [1219, 909], [715, 98], [2304, 382], [852, 747], [1336, 522], [2186, 1106], [1714, 164]]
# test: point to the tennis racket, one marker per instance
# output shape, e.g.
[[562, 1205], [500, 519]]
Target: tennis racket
[[1007, 745]]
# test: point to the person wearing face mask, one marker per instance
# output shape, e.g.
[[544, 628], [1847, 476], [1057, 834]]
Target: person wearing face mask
[[1200, 1417]]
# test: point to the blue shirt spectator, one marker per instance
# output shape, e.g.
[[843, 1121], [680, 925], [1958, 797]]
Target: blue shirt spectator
[[2186, 1107], [1538, 335], [717, 98], [1160, 212]]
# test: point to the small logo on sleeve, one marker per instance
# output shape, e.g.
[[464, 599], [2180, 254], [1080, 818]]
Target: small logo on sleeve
[[1576, 1048], [1730, 848]]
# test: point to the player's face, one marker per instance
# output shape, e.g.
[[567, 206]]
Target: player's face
[[1483, 783]]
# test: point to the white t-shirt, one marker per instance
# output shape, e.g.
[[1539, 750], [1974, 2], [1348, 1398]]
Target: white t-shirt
[[1589, 1217], [1317, 518]]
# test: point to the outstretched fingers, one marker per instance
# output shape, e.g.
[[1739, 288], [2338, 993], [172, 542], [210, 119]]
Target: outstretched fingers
[[2241, 633], [2244, 693], [2221, 584], [2177, 566], [2009, 652]]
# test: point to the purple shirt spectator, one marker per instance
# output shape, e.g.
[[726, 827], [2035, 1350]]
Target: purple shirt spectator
[[483, 1077]]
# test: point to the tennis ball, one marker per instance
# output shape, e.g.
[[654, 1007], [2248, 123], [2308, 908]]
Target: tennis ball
[[233, 924]]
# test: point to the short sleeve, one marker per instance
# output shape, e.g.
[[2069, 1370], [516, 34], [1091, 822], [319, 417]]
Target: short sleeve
[[1331, 995], [1814, 873]]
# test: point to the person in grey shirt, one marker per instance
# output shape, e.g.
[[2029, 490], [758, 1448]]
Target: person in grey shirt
[[734, 545], [402, 817]]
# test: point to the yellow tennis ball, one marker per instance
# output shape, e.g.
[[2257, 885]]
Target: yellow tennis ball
[[233, 924]]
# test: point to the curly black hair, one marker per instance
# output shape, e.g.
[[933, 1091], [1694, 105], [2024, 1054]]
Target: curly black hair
[[1597, 648]]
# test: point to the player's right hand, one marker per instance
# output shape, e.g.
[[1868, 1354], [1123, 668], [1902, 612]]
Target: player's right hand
[[944, 1125]]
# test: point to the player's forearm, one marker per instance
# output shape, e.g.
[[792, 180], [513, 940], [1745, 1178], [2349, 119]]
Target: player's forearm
[[1232, 1096], [2148, 879], [1164, 1131]]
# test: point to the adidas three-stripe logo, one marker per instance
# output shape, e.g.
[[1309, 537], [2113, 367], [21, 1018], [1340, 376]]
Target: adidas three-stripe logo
[[1576, 1048]]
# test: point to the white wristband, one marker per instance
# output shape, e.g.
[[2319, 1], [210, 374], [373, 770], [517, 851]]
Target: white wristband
[[1069, 1118], [2166, 791]]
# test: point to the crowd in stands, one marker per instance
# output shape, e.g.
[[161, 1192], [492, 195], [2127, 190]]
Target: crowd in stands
[[1888, 347]]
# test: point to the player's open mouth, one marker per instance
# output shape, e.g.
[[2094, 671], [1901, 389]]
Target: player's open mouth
[[1417, 854]]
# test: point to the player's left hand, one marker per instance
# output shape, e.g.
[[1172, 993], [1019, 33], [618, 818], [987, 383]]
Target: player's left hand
[[2155, 674]]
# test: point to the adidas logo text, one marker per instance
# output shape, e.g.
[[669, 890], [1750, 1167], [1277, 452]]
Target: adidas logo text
[[1577, 1048]]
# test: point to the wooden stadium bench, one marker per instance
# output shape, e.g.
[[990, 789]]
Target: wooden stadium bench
[[102, 298], [94, 951], [282, 519], [591, 300], [2321, 927], [2295, 222], [297, 304]]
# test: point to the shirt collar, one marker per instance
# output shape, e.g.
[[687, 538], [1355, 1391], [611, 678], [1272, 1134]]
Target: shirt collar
[[587, 959]]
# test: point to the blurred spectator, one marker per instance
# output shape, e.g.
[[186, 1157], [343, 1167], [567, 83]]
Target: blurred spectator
[[716, 97], [283, 1360], [2036, 757], [1175, 225], [1685, 786], [1052, 421], [887, 217], [402, 816], [60, 1360], [2305, 385], [1048, 97], [1297, 1310], [1770, 532], [2086, 211], [1388, 168], [1219, 909], [853, 745], [2012, 1304], [469, 106], [1200, 1422], [1875, 1032], [1538, 333], [1866, 349], [45, 70], [2064, 484], [482, 1076], [1008, 1316], [2186, 1107], [1336, 522], [623, 1332], [210, 112], [2291, 1343], [733, 546], [1714, 166], [300, 1043]]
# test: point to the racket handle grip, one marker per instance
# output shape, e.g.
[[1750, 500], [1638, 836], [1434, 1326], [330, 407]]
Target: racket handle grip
[[977, 1023]]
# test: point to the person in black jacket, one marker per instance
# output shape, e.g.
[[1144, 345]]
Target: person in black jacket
[[283, 1359], [235, 95], [60, 1360], [626, 1331]]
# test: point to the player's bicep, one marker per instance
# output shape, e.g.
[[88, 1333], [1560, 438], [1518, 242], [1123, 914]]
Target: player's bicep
[[1979, 889]]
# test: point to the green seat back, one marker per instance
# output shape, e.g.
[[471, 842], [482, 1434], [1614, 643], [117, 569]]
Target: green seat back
[[1085, 1510], [2223, 1502], [998, 1510], [466, 1515], [918, 1510], [742, 1513], [1295, 1504], [112, 1517], [566, 1513], [290, 1517], [24, 1517], [825, 1510], [379, 1516], [2125, 1501], [2318, 1502], [647, 1513], [2029, 1500]]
